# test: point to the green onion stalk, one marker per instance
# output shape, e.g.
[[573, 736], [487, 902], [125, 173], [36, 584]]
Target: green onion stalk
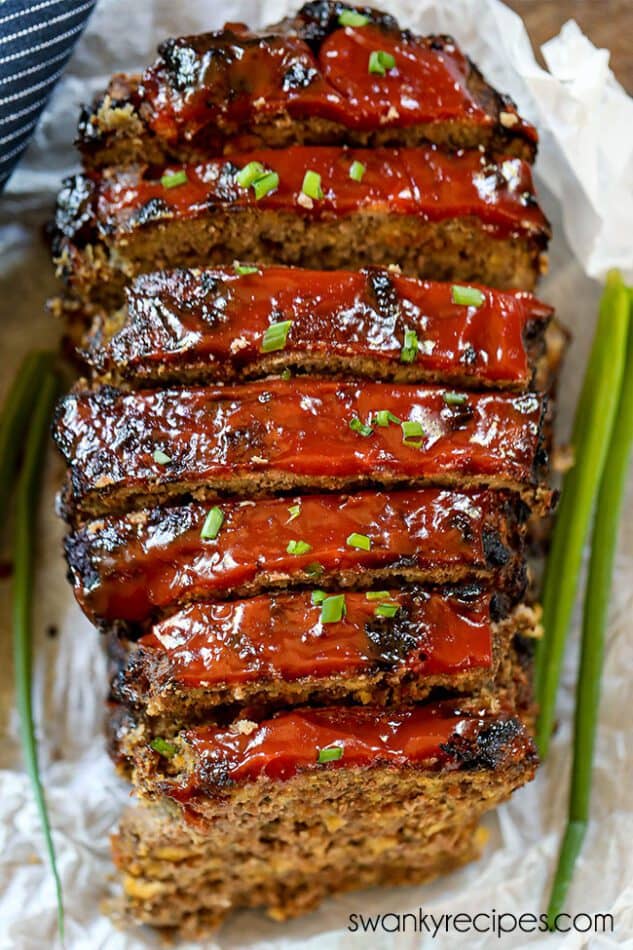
[[45, 387], [591, 435], [596, 604]]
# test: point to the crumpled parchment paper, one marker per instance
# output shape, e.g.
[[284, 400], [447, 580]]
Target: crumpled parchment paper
[[585, 176]]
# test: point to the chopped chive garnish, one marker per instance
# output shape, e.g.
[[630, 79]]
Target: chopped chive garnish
[[455, 399], [357, 426], [333, 609], [298, 547], [360, 541], [376, 594], [467, 296], [249, 174], [275, 336], [410, 346], [168, 749], [173, 179], [312, 185], [294, 511], [212, 524], [352, 18], [386, 610], [384, 417], [160, 457], [242, 269], [412, 430], [314, 570], [264, 185], [318, 596], [380, 62], [285, 374], [331, 754], [356, 171]]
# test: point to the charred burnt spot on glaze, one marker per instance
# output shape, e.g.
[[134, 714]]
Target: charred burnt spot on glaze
[[318, 19], [152, 210], [74, 213], [491, 748], [392, 639], [495, 551], [463, 523], [298, 76], [382, 292], [225, 188], [181, 61]]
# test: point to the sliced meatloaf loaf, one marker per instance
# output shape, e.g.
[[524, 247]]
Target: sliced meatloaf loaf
[[130, 568], [309, 802], [332, 74], [127, 449], [447, 217], [225, 324], [376, 647]]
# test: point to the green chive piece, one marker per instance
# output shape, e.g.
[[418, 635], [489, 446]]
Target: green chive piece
[[160, 457], [318, 596], [314, 569], [454, 399], [593, 423], [607, 520], [330, 754], [386, 610], [352, 18], [333, 609], [264, 185], [163, 747], [410, 347], [467, 296], [357, 426], [212, 524], [312, 185], [249, 174], [412, 430], [275, 336], [298, 547], [357, 170], [294, 511], [380, 62], [384, 417], [360, 541], [377, 595], [173, 179], [243, 269], [24, 544], [285, 374]]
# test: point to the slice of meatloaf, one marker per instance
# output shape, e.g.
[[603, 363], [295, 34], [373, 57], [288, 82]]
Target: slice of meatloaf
[[127, 449], [312, 79], [179, 878], [310, 802], [447, 217], [132, 567], [201, 326], [380, 647]]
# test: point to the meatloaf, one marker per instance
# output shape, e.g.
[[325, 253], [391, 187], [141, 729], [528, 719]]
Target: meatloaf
[[378, 647], [212, 325], [126, 449], [458, 217], [332, 74], [282, 812], [129, 568]]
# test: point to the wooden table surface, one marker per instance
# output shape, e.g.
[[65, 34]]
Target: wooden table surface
[[607, 23]]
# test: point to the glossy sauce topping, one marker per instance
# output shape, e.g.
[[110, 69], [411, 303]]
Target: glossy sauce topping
[[237, 77], [283, 637], [125, 568], [422, 182], [218, 318], [296, 432], [429, 736]]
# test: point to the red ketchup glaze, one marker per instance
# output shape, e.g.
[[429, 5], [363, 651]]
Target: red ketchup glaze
[[300, 428], [217, 318], [261, 75], [130, 566], [282, 637], [288, 743], [421, 182]]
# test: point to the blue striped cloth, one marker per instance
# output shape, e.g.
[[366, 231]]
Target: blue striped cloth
[[36, 41]]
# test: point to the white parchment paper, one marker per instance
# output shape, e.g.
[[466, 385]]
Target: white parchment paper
[[585, 177]]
